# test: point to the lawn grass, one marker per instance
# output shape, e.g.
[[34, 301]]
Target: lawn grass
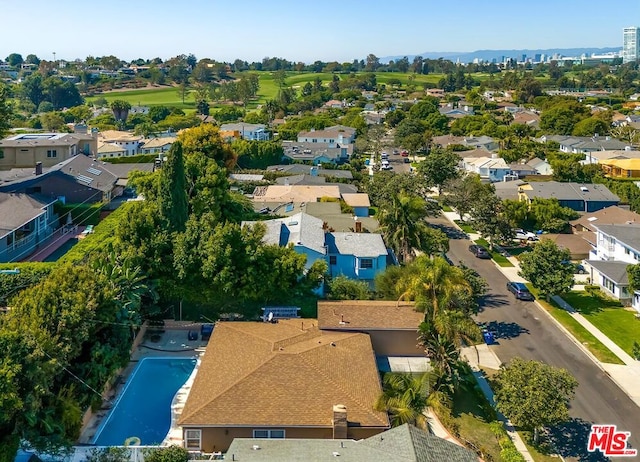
[[464, 226], [582, 335], [539, 452], [497, 257], [608, 315], [162, 96], [469, 413]]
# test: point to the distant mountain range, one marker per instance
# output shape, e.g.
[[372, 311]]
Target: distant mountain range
[[498, 55]]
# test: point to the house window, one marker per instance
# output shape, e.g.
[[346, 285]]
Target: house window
[[1, 154], [366, 263], [608, 284], [193, 439], [270, 434], [333, 260], [52, 153]]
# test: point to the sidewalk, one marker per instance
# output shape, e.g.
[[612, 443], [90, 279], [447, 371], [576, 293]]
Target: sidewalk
[[626, 376], [483, 356]]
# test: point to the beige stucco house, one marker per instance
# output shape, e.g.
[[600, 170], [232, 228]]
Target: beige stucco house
[[27, 149]]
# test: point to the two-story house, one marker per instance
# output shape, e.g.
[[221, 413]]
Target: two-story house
[[358, 256], [617, 246], [250, 132], [127, 141], [489, 168], [330, 136], [27, 149]]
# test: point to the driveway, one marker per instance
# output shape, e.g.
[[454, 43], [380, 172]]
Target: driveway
[[524, 330]]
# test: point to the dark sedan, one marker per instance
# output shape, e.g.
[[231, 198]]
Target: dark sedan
[[479, 251]]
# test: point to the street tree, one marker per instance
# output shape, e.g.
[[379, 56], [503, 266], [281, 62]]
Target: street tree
[[489, 219], [438, 168], [633, 272], [462, 193], [344, 288], [546, 268], [534, 394], [14, 59]]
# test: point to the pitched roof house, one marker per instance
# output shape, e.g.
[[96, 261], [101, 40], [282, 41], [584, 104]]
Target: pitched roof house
[[355, 255], [282, 380], [26, 220], [392, 326], [587, 197], [616, 247], [405, 443], [27, 149]]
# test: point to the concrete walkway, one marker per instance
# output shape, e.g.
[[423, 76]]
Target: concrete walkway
[[626, 376], [482, 356]]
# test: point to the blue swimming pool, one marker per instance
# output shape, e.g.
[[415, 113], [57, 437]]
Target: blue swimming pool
[[143, 409]]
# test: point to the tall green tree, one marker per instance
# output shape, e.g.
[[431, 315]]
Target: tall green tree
[[172, 191], [6, 112], [533, 394], [545, 269], [438, 168], [462, 193], [488, 216]]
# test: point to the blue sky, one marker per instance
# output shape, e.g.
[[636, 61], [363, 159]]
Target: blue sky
[[305, 30]]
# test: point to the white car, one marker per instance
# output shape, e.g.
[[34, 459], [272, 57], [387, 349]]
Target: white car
[[523, 235]]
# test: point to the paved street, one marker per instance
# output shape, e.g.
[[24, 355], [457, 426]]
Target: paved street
[[524, 330]]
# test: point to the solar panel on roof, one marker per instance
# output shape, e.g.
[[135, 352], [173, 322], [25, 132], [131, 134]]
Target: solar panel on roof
[[94, 171], [84, 179]]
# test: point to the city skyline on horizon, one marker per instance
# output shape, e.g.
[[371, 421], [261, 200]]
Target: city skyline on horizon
[[334, 31]]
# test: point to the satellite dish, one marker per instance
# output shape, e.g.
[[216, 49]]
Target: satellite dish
[[270, 317]]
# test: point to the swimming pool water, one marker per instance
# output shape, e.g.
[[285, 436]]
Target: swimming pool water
[[144, 407]]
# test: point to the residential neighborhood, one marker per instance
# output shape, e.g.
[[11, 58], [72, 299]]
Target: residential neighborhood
[[409, 258]]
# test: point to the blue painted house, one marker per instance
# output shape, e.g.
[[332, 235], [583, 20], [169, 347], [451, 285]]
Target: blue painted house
[[358, 256]]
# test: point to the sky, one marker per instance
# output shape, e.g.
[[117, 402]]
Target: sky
[[304, 30]]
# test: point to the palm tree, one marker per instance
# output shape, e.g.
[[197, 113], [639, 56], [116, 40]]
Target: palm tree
[[434, 285], [402, 223], [405, 398]]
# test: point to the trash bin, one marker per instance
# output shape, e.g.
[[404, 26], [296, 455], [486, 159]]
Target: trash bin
[[193, 335]]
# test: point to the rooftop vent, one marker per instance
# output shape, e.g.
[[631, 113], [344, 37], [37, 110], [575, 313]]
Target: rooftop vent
[[584, 189], [255, 447]]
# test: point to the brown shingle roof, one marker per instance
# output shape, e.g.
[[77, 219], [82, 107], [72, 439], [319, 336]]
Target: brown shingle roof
[[612, 215], [367, 314], [278, 374], [357, 199]]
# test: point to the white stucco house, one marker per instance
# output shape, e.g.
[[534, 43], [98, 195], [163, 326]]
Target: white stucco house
[[616, 247]]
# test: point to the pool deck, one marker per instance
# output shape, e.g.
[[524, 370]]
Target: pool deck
[[173, 343]]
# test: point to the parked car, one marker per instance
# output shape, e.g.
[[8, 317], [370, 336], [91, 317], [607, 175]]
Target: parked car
[[479, 251], [520, 290], [577, 267], [406, 160], [404, 154], [523, 235]]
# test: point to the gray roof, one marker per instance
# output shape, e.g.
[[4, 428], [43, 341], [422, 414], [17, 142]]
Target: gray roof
[[300, 229], [246, 177], [614, 270], [242, 126], [599, 143], [301, 179], [123, 170], [571, 191], [405, 443], [356, 244], [330, 213], [302, 168], [17, 209], [626, 234]]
